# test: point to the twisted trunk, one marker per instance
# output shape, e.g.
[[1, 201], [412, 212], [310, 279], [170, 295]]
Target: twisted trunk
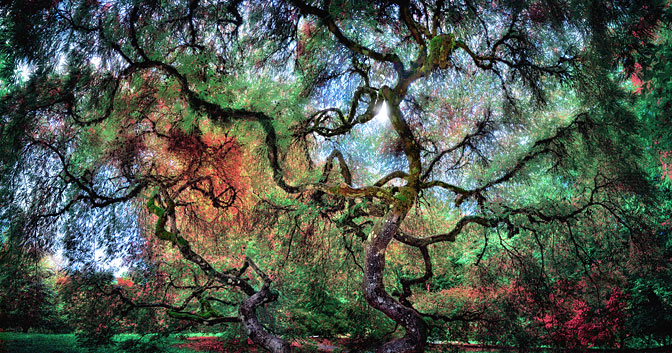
[[248, 309], [255, 331], [375, 294]]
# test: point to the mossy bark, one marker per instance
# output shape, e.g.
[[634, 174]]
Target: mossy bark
[[375, 294], [255, 330]]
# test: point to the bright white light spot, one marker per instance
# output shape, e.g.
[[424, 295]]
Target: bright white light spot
[[99, 255], [61, 66], [23, 71], [95, 61], [118, 267], [382, 117], [120, 272]]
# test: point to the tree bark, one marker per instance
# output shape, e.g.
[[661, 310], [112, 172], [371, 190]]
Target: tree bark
[[255, 331], [375, 294]]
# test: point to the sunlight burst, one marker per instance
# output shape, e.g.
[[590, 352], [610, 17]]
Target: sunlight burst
[[382, 116]]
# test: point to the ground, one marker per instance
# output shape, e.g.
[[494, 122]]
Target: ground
[[13, 342]]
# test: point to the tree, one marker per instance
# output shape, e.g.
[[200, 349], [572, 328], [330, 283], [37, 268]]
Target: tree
[[650, 308], [27, 301], [502, 118]]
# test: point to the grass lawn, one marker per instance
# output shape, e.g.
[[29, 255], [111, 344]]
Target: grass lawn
[[14, 342], [11, 342]]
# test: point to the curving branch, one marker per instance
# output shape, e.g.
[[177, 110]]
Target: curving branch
[[207, 315], [328, 20], [406, 283], [462, 193], [449, 236], [394, 175], [315, 124], [542, 146], [257, 333], [345, 171], [84, 184], [539, 148], [418, 31], [481, 130], [184, 246], [347, 191]]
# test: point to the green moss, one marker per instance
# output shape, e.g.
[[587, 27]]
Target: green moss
[[180, 241], [405, 197], [207, 311], [440, 48]]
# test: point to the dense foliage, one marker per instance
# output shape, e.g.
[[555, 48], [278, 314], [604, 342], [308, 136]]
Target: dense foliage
[[386, 171], [28, 298]]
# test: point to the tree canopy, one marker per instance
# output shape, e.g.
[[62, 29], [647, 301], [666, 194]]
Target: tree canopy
[[430, 168]]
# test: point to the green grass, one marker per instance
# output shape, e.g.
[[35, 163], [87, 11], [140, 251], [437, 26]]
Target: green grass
[[14, 342], [11, 342]]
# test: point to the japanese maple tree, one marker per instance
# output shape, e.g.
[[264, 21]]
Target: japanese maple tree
[[232, 136]]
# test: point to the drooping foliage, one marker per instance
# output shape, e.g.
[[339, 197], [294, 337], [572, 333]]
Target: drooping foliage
[[387, 170], [649, 275], [28, 299]]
